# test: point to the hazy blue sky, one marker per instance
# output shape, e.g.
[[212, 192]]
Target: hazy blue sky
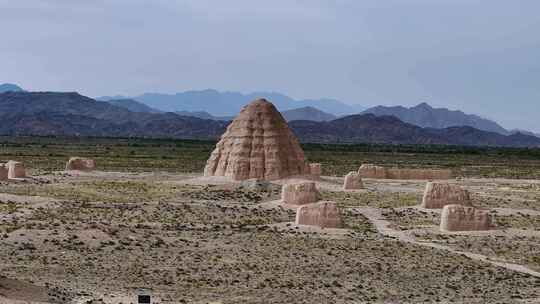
[[479, 56]]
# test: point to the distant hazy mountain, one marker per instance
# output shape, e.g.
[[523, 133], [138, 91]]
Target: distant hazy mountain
[[48, 113], [132, 105], [307, 113], [229, 103], [204, 115], [519, 131], [137, 106], [424, 115], [51, 113], [304, 113], [368, 128], [114, 97], [9, 87], [62, 103], [198, 114]]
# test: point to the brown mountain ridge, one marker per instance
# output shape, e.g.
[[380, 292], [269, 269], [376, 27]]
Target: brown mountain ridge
[[71, 114]]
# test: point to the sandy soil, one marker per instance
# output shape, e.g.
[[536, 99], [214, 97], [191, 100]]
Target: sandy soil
[[98, 237]]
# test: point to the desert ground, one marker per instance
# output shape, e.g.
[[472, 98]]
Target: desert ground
[[146, 218]]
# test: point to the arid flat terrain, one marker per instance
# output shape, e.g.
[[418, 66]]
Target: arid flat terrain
[[98, 237]]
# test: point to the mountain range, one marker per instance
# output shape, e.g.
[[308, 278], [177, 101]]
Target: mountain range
[[389, 129], [516, 131], [133, 105], [305, 113], [212, 104], [71, 114], [423, 115], [9, 87], [229, 103]]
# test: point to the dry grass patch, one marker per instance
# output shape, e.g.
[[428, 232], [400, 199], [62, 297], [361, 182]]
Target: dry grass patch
[[384, 199], [9, 207], [524, 250], [518, 221], [502, 200], [357, 222], [407, 219], [97, 191], [239, 194]]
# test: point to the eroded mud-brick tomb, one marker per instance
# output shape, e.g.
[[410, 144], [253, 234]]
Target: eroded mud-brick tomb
[[257, 144]]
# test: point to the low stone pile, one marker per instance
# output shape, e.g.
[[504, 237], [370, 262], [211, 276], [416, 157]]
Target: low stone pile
[[315, 169], [16, 169], [323, 214], [300, 193], [464, 218], [81, 164], [311, 211], [458, 213], [3, 172], [372, 171], [352, 181], [437, 195]]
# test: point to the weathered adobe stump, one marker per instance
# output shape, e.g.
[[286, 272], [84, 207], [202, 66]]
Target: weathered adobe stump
[[438, 195], [372, 171], [16, 169], [463, 218], [300, 193], [257, 144], [324, 214], [315, 169], [352, 181], [81, 164], [3, 172]]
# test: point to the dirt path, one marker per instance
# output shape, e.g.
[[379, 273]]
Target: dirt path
[[383, 226]]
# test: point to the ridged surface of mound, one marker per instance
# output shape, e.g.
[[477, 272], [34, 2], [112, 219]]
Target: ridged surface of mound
[[257, 144]]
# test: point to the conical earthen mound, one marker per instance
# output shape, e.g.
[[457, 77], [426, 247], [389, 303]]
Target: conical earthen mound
[[257, 144]]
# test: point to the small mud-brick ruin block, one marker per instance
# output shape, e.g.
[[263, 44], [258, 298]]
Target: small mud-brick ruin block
[[300, 193], [81, 164], [3, 172], [372, 171], [438, 195], [324, 214], [352, 181], [463, 218], [16, 169], [257, 144], [315, 169]]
